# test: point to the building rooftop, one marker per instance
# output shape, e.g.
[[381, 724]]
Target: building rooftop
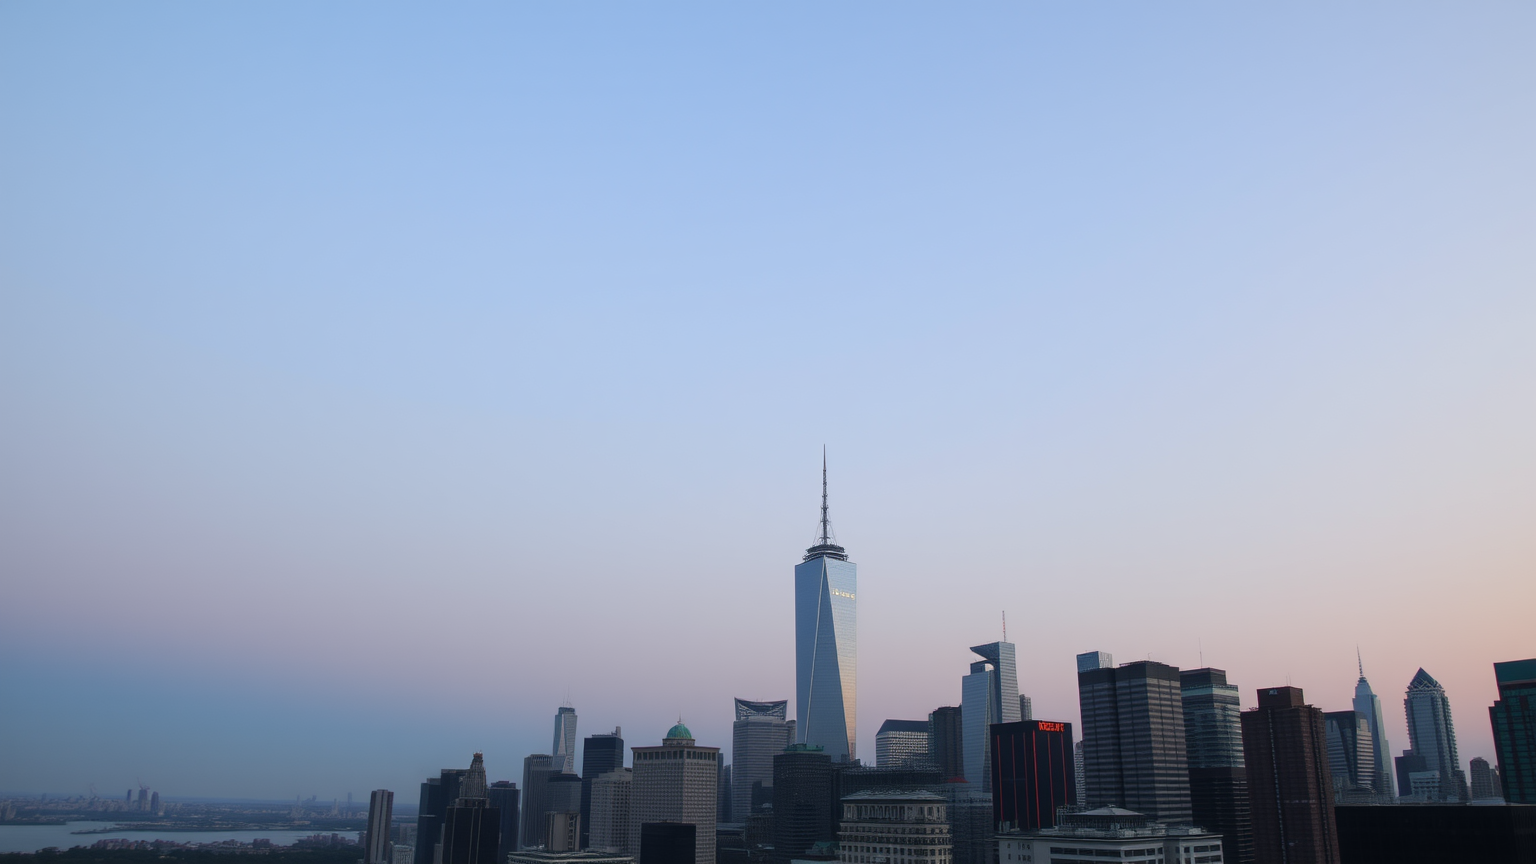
[[903, 726], [895, 795]]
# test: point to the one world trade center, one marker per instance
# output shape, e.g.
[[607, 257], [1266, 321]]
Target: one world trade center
[[826, 644]]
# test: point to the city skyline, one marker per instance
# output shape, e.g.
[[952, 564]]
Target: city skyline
[[1171, 333]]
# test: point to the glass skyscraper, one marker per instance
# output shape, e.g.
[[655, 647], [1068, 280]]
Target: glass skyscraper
[[1514, 729], [826, 646], [1366, 703], [1432, 744], [988, 695]]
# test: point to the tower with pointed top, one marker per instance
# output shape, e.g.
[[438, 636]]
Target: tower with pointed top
[[826, 642], [564, 746], [1367, 703]]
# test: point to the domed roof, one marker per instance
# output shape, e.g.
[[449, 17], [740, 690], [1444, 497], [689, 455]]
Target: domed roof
[[679, 731]]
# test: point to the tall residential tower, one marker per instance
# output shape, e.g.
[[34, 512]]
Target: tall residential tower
[[826, 647]]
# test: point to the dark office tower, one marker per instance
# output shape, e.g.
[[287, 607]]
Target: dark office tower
[[1289, 789], [946, 742], [154, 802], [1031, 774], [504, 795], [429, 819], [599, 755], [381, 807], [1432, 740], [1218, 782], [1077, 764], [802, 801], [472, 827], [564, 796], [1485, 783], [143, 798], [1351, 756], [129, 800], [1026, 707], [537, 769], [668, 842], [1514, 729], [762, 730], [1133, 739], [826, 646], [723, 811]]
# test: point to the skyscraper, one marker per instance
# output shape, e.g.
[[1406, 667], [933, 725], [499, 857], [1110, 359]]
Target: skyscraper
[[1431, 750], [1366, 703], [504, 796], [802, 801], [902, 744], [1514, 729], [946, 742], [472, 827], [1134, 753], [610, 811], [564, 746], [600, 754], [381, 806], [1351, 755], [1285, 751], [1218, 781], [429, 819], [761, 732], [537, 769], [675, 783], [988, 695], [1026, 708], [1484, 780], [1032, 773], [826, 647]]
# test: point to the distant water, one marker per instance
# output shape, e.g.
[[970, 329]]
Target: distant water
[[30, 838]]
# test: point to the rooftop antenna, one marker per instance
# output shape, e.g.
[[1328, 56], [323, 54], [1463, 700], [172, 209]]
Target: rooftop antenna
[[1201, 644], [1005, 625], [1360, 662], [825, 523]]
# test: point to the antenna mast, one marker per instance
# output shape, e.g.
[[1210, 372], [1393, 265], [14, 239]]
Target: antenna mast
[[824, 520], [1005, 625]]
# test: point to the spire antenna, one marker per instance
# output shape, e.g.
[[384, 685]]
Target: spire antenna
[[824, 521], [1360, 661]]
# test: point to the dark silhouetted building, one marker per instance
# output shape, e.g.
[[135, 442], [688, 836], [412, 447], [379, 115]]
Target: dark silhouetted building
[[537, 769], [1133, 739], [1351, 756], [600, 754], [429, 819], [668, 842], [1437, 834], [1514, 729], [381, 807], [946, 746], [1484, 780], [803, 801], [761, 731], [1289, 787], [1218, 782], [504, 795], [1032, 773], [472, 827]]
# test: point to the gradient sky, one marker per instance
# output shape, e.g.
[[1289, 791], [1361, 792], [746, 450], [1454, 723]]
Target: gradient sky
[[376, 377]]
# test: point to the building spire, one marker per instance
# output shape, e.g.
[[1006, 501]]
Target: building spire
[[825, 525], [826, 541], [1360, 662]]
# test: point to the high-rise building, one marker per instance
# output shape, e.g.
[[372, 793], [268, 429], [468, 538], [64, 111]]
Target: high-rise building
[[723, 794], [802, 801], [600, 754], [1077, 766], [381, 807], [1484, 780], [675, 783], [762, 730], [893, 827], [826, 647], [1026, 708], [429, 819], [504, 796], [1431, 752], [563, 831], [1366, 703], [946, 742], [610, 811], [564, 798], [564, 746], [1514, 729], [1031, 773], [537, 769], [1286, 752], [1134, 753], [1218, 782], [902, 744], [471, 826], [989, 694], [1351, 756]]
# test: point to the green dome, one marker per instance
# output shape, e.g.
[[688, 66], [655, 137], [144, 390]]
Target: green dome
[[679, 731]]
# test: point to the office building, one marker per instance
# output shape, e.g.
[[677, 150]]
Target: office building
[[1514, 729], [1452, 833], [902, 744], [826, 650], [429, 819], [1484, 780], [761, 731], [505, 797], [600, 754], [402, 853], [610, 811], [1286, 752], [675, 783], [886, 827], [1110, 833], [381, 809], [1031, 773], [803, 799], [471, 826], [989, 694], [723, 794], [1026, 708], [564, 798], [1094, 660], [946, 742], [1365, 702], [1134, 753], [563, 749], [669, 842], [1213, 738], [1351, 756], [1431, 753], [537, 769], [563, 831], [1077, 766]]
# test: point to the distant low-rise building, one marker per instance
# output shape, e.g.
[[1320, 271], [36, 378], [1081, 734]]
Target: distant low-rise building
[[1110, 833]]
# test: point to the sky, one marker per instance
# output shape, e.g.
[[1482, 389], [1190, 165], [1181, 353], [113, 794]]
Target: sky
[[378, 378]]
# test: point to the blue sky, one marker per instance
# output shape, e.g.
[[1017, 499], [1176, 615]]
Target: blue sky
[[376, 377]]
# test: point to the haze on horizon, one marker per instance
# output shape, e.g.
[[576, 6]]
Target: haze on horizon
[[376, 379]]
